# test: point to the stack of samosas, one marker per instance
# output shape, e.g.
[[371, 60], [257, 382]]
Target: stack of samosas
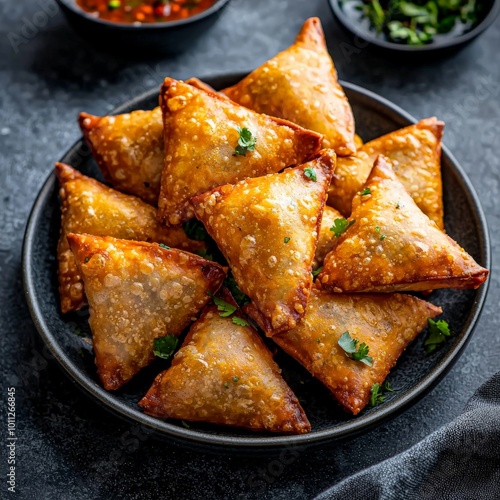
[[315, 234]]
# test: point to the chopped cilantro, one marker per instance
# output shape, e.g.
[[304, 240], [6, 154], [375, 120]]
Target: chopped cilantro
[[340, 226], [86, 260], [246, 142], [195, 230], [226, 385], [235, 379], [310, 174], [239, 321], [185, 424], [318, 340], [114, 4], [315, 273], [166, 247], [387, 387], [438, 332], [382, 236], [366, 191], [163, 347], [225, 309], [376, 395], [240, 298], [287, 239], [376, 392], [349, 345]]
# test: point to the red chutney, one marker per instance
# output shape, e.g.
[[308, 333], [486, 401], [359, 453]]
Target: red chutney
[[144, 11]]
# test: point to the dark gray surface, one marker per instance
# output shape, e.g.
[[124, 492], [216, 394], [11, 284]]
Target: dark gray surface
[[67, 446]]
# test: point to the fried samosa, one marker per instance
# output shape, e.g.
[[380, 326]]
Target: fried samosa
[[391, 245], [210, 141], [385, 323], [300, 84], [128, 148], [87, 206], [224, 374], [415, 153], [267, 228], [326, 239], [138, 292]]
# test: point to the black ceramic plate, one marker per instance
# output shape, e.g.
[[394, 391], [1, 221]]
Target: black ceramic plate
[[414, 374]]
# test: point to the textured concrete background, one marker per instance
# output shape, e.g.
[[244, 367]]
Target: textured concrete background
[[69, 447]]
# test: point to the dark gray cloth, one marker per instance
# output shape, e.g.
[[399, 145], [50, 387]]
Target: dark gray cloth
[[460, 461]]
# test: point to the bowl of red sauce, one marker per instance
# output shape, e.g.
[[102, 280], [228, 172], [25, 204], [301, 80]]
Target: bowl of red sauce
[[141, 27]]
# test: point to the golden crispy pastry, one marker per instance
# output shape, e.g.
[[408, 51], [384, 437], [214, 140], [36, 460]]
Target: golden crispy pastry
[[393, 246], [203, 146], [415, 153], [224, 374], [87, 206], [386, 323], [300, 84], [326, 239], [128, 148], [138, 292], [267, 228], [358, 141]]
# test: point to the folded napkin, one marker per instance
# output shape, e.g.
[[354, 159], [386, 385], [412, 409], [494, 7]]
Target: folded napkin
[[460, 461]]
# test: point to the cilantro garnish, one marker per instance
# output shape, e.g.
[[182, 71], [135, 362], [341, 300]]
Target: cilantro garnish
[[185, 424], [166, 247], [315, 273], [114, 4], [235, 379], [287, 239], [415, 22], [239, 321], [310, 174], [376, 395], [246, 142], [376, 392], [195, 230], [438, 332], [86, 260], [340, 226], [225, 309], [163, 347], [382, 236], [349, 345], [240, 298], [366, 191]]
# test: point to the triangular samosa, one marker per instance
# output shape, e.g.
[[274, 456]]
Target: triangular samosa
[[415, 153], [390, 245], [267, 228], [128, 148], [224, 374], [138, 292], [385, 323], [326, 239], [300, 84], [211, 141], [87, 206]]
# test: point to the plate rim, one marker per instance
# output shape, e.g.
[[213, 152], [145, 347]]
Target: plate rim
[[189, 437]]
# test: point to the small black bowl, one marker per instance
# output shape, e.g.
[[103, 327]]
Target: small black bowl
[[444, 44], [143, 39]]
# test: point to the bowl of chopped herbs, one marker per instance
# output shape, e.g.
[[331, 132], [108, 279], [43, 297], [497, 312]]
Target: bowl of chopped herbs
[[416, 26]]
